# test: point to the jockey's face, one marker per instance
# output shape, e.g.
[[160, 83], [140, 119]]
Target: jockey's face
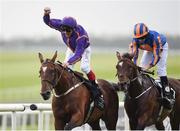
[[68, 34], [68, 31], [142, 39]]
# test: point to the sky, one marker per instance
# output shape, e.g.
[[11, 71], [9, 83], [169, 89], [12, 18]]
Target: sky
[[108, 18]]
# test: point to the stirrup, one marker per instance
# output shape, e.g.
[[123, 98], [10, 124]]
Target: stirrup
[[99, 102]]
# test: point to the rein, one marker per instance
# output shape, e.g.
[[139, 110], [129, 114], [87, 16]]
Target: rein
[[140, 74], [68, 91], [59, 78], [142, 92]]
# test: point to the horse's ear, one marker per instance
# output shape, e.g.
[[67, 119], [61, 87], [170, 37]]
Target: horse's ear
[[54, 57], [41, 57], [118, 55]]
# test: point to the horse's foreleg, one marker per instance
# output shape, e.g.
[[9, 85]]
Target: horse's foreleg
[[159, 126], [95, 125], [76, 120], [132, 124], [141, 122], [59, 124], [175, 122]]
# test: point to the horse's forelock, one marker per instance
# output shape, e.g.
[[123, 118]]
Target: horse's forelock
[[127, 55], [48, 61]]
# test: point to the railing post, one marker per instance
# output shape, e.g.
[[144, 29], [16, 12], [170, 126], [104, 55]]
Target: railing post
[[126, 121], [47, 120], [40, 120], [13, 120], [4, 122]]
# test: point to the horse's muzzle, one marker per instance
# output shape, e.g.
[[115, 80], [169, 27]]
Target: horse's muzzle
[[46, 95]]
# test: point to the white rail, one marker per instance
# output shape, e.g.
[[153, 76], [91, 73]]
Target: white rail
[[43, 111], [40, 109]]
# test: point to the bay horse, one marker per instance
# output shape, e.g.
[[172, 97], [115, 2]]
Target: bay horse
[[142, 96], [71, 98]]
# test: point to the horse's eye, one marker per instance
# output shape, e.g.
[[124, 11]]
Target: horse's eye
[[116, 66], [40, 73]]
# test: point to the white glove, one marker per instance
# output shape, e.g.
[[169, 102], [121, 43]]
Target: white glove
[[47, 10]]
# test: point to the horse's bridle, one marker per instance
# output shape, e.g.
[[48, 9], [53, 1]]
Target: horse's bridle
[[141, 71], [127, 83], [54, 84], [133, 65]]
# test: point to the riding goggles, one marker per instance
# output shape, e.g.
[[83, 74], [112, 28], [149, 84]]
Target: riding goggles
[[66, 28], [142, 38]]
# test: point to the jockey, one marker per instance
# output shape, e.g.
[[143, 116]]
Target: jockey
[[155, 53], [77, 41]]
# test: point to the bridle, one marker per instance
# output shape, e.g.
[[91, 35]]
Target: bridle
[[127, 83], [54, 83], [59, 78], [134, 66]]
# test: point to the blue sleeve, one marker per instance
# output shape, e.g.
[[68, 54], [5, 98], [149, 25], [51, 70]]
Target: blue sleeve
[[82, 44], [135, 51], [157, 48], [53, 23]]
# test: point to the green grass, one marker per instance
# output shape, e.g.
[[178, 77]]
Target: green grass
[[19, 81]]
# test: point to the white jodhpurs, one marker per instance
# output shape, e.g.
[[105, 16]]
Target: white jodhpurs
[[161, 65], [85, 60]]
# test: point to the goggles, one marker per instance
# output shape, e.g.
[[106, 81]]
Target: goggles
[[142, 38], [66, 28]]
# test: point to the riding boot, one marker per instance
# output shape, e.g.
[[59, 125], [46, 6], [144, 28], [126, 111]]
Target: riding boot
[[168, 100], [97, 95]]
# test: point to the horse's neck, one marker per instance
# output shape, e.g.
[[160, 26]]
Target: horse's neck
[[136, 86], [65, 83]]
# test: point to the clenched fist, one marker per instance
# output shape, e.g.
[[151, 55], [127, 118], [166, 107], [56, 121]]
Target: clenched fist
[[47, 10]]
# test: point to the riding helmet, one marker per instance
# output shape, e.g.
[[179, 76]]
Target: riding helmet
[[69, 21], [140, 30]]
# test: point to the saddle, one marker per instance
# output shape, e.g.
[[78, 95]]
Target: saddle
[[163, 108], [158, 85], [79, 75]]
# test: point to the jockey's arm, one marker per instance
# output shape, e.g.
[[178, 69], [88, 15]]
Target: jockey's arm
[[53, 23], [82, 44], [156, 53], [133, 48]]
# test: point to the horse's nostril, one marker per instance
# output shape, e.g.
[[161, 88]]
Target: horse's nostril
[[48, 92], [46, 95]]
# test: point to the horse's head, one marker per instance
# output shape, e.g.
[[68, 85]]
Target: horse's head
[[126, 69], [49, 75]]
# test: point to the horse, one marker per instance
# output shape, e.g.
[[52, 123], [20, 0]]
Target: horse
[[72, 99], [142, 97]]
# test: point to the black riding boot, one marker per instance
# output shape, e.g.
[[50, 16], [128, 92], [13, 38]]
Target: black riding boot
[[97, 95], [168, 100]]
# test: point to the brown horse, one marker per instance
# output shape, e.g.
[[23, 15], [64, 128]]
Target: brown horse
[[142, 97], [71, 100]]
